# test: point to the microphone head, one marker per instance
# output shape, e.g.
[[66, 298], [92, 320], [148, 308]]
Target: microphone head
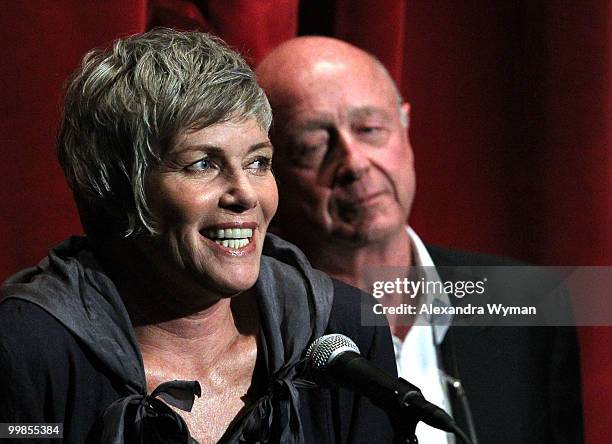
[[324, 350]]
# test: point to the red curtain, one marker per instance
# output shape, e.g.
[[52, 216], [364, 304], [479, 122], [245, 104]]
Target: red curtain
[[511, 120]]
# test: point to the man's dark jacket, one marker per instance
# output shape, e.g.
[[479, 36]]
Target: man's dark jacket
[[522, 383]]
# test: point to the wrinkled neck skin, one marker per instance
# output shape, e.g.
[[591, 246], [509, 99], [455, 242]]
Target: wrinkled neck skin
[[349, 261], [170, 317], [204, 337]]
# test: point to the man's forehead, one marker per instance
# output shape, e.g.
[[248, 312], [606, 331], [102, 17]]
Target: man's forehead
[[304, 119]]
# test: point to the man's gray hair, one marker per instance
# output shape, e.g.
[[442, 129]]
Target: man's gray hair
[[126, 105]]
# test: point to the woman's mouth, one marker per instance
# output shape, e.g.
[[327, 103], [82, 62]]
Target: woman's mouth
[[234, 238]]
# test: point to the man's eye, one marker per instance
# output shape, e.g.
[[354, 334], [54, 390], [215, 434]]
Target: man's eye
[[372, 134], [307, 155], [370, 129]]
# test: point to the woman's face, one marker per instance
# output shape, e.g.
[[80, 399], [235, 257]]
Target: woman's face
[[213, 196]]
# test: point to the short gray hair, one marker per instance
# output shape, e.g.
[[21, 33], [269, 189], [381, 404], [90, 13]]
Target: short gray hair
[[125, 105]]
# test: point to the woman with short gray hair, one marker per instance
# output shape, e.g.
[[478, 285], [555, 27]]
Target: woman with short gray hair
[[177, 317]]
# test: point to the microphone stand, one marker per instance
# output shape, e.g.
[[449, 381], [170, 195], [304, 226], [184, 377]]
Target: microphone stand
[[404, 427], [404, 420]]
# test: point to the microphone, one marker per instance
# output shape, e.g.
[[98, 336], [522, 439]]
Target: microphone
[[336, 358]]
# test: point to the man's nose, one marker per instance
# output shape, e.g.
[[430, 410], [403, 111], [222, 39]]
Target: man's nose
[[353, 159], [239, 194]]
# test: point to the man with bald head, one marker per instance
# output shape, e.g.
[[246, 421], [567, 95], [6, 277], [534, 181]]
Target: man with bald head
[[351, 201], [345, 169]]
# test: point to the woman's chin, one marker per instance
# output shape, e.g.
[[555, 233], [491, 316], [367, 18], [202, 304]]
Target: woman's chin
[[230, 284]]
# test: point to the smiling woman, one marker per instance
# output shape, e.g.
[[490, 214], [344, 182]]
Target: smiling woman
[[178, 317], [209, 190]]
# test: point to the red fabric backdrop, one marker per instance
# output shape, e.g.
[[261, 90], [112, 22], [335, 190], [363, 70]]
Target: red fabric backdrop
[[511, 120]]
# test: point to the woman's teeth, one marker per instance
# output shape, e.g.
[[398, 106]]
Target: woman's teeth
[[231, 237]]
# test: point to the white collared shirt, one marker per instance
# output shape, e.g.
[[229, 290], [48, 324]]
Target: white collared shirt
[[416, 356]]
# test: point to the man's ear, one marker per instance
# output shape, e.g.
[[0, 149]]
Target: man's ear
[[405, 114]]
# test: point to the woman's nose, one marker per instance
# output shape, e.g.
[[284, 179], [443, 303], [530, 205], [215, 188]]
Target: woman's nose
[[240, 195]]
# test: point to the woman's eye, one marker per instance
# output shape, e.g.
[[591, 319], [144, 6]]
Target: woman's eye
[[200, 165], [261, 164]]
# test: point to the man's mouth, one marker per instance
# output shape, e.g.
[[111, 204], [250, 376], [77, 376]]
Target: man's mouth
[[360, 201], [230, 237]]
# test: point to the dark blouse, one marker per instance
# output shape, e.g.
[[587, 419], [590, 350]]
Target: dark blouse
[[47, 375]]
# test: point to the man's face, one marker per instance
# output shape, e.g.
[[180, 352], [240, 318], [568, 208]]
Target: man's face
[[344, 161]]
